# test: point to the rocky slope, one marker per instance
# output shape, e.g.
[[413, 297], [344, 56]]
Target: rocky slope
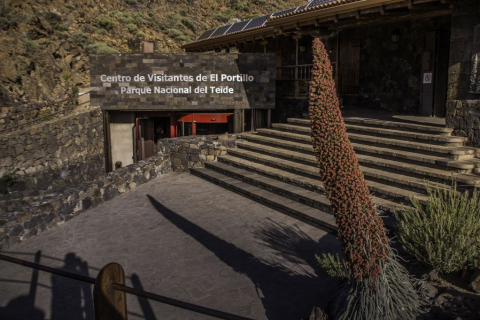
[[44, 44]]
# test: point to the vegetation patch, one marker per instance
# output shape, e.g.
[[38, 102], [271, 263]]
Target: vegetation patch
[[99, 48], [104, 21], [445, 233]]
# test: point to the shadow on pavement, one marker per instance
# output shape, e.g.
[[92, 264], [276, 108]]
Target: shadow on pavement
[[286, 294]]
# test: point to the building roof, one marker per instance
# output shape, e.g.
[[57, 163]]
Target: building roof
[[313, 15], [260, 22]]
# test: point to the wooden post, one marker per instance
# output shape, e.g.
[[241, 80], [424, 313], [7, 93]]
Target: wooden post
[[110, 304], [269, 118]]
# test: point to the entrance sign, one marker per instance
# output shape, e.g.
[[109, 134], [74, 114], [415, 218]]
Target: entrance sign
[[427, 77], [183, 81]]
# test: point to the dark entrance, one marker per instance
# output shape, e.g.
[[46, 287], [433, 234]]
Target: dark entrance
[[149, 128], [435, 73]]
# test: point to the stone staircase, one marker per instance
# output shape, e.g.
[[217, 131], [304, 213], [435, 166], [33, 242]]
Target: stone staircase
[[277, 166]]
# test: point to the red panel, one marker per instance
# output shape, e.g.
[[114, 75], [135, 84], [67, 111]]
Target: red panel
[[206, 118]]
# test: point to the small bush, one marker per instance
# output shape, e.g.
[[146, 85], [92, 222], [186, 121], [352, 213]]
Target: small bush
[[125, 17], [131, 2], [80, 39], [132, 28], [99, 48], [333, 266], [101, 31], [188, 22], [444, 233], [226, 15], [140, 35], [104, 21], [30, 43], [5, 23], [174, 33], [184, 38]]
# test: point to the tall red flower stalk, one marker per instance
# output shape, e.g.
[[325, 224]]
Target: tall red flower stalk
[[361, 230]]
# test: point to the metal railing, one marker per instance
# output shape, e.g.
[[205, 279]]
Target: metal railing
[[300, 72], [109, 292]]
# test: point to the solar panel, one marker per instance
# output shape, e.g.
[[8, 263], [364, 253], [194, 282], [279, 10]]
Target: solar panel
[[220, 31], [279, 13], [206, 34], [257, 22], [315, 3], [237, 26]]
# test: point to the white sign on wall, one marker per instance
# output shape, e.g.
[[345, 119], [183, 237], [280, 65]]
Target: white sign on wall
[[427, 77]]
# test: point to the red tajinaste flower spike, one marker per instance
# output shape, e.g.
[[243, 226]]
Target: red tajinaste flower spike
[[361, 230]]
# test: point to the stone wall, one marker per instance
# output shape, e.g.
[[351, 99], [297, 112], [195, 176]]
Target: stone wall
[[463, 106], [23, 218], [390, 73], [54, 155], [194, 151]]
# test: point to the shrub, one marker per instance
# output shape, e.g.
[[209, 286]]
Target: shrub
[[226, 15], [174, 33], [30, 43], [125, 17], [80, 39], [132, 28], [333, 266], [444, 233], [99, 48], [5, 23], [104, 21], [131, 2], [188, 22]]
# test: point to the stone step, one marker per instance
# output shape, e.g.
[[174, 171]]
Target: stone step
[[417, 173], [313, 199], [302, 212], [449, 141], [411, 127], [306, 182], [457, 153], [311, 171], [374, 168], [470, 165]]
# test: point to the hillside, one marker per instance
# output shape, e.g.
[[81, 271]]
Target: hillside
[[44, 44]]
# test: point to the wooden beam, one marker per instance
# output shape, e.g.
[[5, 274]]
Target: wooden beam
[[391, 18], [382, 10]]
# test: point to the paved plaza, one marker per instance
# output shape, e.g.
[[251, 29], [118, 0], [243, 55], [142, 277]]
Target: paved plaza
[[181, 237]]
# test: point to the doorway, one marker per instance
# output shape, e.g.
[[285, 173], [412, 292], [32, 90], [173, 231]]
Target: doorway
[[148, 131], [435, 73]]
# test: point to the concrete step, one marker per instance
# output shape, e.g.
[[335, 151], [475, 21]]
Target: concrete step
[[405, 126], [457, 153], [416, 180], [306, 182], [449, 141], [302, 212], [373, 166], [309, 170], [467, 166], [313, 199]]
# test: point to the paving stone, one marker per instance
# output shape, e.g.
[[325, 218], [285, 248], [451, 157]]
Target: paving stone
[[206, 245]]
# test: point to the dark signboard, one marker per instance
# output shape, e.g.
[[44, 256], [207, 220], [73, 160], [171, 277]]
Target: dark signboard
[[182, 81]]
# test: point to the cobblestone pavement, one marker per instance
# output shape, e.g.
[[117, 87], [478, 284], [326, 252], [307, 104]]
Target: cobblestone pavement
[[181, 237]]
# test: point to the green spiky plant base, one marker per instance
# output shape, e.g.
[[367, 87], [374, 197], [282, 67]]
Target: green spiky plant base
[[395, 296]]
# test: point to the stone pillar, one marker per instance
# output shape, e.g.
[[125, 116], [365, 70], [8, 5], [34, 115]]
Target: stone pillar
[[238, 120], [463, 106]]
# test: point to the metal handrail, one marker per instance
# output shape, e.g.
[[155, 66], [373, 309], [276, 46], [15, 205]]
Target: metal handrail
[[120, 287]]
